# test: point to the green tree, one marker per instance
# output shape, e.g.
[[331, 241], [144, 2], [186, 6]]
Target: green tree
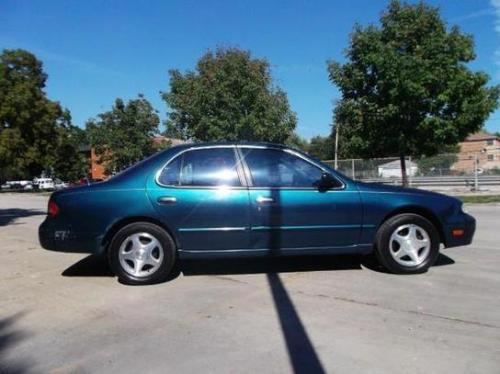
[[297, 141], [406, 87], [322, 147], [124, 135], [230, 96], [29, 121], [69, 163]]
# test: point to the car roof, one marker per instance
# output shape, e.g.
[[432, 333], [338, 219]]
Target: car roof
[[227, 143]]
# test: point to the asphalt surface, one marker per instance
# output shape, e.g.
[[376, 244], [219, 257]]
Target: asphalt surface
[[65, 313]]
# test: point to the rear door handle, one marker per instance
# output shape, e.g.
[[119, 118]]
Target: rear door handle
[[167, 200], [264, 199]]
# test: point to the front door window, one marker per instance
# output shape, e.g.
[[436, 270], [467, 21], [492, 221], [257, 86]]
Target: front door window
[[276, 168]]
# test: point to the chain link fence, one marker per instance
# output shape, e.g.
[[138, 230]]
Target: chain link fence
[[445, 170]]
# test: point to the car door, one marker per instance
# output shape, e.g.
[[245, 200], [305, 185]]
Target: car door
[[289, 211], [202, 196]]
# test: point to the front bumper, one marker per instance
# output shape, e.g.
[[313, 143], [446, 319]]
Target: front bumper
[[464, 222]]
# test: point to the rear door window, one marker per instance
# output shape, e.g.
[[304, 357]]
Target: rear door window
[[211, 167]]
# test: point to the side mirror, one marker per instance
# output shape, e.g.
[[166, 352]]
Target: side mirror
[[326, 182]]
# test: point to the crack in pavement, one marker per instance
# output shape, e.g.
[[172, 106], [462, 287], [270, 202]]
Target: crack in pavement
[[427, 314], [373, 304], [454, 319], [229, 279]]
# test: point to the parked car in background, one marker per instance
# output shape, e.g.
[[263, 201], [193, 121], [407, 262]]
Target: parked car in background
[[43, 184], [8, 185], [59, 184], [25, 184], [18, 185], [253, 199], [85, 182]]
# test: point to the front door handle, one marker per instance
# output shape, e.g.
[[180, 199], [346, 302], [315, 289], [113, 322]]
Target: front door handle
[[167, 200], [264, 199]]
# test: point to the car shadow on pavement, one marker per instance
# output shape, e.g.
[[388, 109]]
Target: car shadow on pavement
[[444, 260], [371, 262], [90, 266], [267, 265], [8, 216], [97, 265]]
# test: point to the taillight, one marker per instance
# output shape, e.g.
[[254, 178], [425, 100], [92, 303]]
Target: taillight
[[53, 209]]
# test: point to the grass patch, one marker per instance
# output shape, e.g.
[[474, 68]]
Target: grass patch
[[480, 199]]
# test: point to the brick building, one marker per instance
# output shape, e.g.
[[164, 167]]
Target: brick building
[[96, 170], [484, 146]]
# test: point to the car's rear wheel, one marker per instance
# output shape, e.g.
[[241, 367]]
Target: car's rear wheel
[[407, 244], [142, 253]]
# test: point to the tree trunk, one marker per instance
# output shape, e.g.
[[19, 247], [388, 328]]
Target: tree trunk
[[404, 177]]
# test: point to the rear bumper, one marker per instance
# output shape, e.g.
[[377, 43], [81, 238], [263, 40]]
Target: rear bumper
[[54, 237], [464, 222], [46, 237]]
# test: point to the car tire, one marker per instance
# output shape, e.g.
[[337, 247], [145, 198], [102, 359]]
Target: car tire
[[142, 253], [407, 244]]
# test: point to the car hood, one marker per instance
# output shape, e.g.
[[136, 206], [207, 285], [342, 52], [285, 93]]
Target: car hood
[[378, 187]]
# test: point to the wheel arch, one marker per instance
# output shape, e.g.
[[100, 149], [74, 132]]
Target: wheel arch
[[118, 225], [421, 211]]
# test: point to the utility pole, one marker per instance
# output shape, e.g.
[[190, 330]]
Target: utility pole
[[409, 175], [476, 172], [336, 144], [404, 176]]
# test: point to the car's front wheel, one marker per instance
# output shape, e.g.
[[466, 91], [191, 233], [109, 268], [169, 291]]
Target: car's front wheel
[[407, 244], [142, 253]]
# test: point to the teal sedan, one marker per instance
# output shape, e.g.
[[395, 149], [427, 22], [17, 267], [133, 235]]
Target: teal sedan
[[247, 199]]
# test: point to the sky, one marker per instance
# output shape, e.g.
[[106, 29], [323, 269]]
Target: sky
[[95, 51]]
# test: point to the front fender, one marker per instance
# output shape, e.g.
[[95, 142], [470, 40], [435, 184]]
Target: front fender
[[379, 205]]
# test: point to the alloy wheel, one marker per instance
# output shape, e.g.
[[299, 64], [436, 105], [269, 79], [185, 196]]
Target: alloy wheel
[[141, 254], [409, 245]]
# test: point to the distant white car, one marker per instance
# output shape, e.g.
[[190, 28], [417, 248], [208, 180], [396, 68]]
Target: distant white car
[[44, 183], [23, 185], [17, 185], [59, 184]]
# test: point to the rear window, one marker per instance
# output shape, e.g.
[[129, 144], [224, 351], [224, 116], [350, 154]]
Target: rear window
[[210, 167]]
